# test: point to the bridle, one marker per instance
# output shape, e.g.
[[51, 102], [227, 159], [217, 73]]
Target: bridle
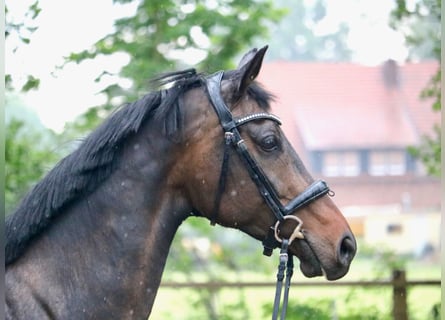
[[282, 212], [233, 138]]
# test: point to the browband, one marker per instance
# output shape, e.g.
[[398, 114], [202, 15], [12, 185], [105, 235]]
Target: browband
[[257, 116]]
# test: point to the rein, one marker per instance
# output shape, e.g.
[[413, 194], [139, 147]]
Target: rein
[[281, 212]]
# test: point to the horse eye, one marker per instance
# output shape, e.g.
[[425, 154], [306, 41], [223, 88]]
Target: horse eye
[[269, 143]]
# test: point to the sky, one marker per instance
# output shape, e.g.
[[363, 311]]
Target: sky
[[72, 26]]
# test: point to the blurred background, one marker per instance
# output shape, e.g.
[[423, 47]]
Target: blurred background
[[358, 90]]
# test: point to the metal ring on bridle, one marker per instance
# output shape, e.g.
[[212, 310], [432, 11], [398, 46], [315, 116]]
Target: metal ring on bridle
[[297, 234]]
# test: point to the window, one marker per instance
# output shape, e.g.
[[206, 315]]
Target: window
[[341, 163], [387, 163], [394, 228]]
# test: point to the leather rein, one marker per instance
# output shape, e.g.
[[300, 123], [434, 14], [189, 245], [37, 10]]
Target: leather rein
[[282, 212]]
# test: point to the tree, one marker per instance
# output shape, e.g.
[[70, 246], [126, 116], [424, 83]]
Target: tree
[[26, 157], [26, 160], [296, 38], [20, 32], [422, 25], [164, 35]]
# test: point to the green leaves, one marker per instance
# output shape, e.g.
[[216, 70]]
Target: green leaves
[[421, 24], [22, 30], [34, 10], [296, 38], [80, 56], [429, 152], [31, 83], [433, 91], [165, 35], [26, 160]]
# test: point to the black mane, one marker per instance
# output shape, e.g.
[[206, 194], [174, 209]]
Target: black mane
[[83, 170]]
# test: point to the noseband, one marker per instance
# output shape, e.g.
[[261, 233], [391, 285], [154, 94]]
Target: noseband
[[282, 212]]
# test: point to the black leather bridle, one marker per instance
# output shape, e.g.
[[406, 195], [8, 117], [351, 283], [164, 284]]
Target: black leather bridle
[[233, 138], [282, 212]]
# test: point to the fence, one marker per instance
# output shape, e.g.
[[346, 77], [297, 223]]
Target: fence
[[398, 282]]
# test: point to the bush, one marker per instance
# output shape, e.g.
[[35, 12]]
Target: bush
[[325, 309]]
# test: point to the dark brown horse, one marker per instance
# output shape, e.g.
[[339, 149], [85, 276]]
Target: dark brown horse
[[91, 239]]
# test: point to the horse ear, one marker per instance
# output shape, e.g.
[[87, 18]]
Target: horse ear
[[249, 67]]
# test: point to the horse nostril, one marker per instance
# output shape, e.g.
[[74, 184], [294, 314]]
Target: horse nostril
[[347, 249]]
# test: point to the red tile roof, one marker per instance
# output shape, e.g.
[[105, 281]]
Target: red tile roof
[[343, 105]]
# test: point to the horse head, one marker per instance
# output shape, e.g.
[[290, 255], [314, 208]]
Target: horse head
[[222, 186]]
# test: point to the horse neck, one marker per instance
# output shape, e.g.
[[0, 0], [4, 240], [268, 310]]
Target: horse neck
[[138, 231], [116, 240], [143, 212]]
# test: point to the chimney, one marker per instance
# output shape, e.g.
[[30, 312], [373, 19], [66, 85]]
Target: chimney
[[390, 74]]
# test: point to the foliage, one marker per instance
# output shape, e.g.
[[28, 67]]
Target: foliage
[[295, 37], [208, 304], [429, 152], [325, 309], [201, 252], [21, 31], [420, 22], [162, 34], [316, 309], [383, 259], [26, 160], [422, 25], [436, 312]]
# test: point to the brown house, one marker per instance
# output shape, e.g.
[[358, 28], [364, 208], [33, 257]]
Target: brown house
[[352, 124]]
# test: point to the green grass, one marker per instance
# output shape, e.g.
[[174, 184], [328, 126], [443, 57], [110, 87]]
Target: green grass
[[255, 303]]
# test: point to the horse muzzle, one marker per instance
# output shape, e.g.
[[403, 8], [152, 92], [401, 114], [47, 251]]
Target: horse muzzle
[[314, 261]]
